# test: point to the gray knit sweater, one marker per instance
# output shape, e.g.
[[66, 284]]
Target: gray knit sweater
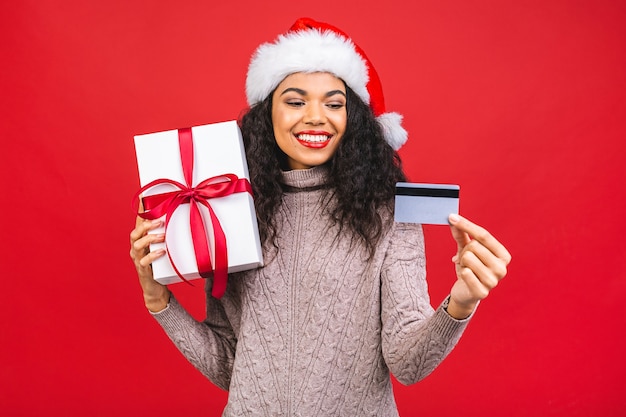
[[317, 331]]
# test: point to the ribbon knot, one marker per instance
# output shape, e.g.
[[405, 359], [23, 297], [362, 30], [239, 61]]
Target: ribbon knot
[[157, 205]]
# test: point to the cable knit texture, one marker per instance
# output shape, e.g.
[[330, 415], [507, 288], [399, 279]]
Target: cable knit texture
[[317, 331]]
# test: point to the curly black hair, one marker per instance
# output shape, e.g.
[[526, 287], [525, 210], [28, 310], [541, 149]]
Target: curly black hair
[[362, 173]]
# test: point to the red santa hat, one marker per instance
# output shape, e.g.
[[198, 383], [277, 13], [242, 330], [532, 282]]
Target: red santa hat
[[311, 46]]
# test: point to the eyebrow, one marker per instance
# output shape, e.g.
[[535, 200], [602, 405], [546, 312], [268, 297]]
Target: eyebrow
[[304, 93]]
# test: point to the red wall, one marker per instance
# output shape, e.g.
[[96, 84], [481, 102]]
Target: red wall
[[522, 103]]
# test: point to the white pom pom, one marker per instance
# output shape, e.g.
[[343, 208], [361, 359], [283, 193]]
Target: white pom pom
[[393, 131]]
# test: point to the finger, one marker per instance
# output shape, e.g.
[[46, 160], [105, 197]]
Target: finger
[[144, 268], [476, 288], [482, 272], [141, 246], [480, 234], [145, 241], [483, 255], [151, 257], [142, 227]]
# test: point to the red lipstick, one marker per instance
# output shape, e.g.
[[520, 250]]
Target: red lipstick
[[315, 139]]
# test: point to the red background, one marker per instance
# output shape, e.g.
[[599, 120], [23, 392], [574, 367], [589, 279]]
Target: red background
[[522, 103]]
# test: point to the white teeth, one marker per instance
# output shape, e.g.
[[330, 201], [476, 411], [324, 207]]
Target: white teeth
[[313, 138]]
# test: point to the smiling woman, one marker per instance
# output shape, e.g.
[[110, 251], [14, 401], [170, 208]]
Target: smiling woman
[[342, 301], [309, 118]]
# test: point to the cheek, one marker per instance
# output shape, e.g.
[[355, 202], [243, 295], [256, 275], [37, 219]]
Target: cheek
[[281, 129], [280, 120], [340, 122], [279, 124]]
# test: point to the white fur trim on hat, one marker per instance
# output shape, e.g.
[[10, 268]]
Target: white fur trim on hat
[[305, 51], [393, 131]]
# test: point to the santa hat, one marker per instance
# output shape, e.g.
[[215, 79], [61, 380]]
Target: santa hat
[[311, 46]]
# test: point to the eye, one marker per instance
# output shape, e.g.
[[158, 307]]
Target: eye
[[294, 103], [335, 105]]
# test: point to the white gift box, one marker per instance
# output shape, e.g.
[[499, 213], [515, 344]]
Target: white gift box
[[218, 149]]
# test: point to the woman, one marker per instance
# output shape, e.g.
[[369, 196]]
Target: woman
[[342, 300]]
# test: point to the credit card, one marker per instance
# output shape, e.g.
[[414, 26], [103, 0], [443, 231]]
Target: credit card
[[425, 203]]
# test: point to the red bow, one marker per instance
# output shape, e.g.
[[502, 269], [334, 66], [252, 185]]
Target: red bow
[[165, 204]]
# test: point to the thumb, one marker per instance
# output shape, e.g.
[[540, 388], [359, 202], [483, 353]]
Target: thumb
[[461, 237], [140, 209]]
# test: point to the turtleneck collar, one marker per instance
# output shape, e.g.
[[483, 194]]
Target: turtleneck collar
[[306, 178]]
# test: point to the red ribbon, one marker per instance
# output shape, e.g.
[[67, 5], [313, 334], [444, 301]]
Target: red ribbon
[[166, 204]]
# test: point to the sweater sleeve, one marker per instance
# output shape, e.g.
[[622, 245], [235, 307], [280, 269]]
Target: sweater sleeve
[[208, 345], [415, 338]]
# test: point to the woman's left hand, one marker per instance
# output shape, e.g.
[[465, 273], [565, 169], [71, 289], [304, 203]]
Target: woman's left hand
[[481, 262]]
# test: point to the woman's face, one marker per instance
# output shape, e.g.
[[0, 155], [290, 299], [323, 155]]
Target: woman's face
[[309, 117]]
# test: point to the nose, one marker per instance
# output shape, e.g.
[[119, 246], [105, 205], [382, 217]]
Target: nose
[[314, 114]]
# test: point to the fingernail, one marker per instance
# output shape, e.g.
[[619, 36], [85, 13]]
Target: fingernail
[[453, 218]]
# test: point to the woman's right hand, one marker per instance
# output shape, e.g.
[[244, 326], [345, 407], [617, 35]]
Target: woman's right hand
[[156, 296]]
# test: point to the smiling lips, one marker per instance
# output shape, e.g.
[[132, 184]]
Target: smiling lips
[[314, 139]]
